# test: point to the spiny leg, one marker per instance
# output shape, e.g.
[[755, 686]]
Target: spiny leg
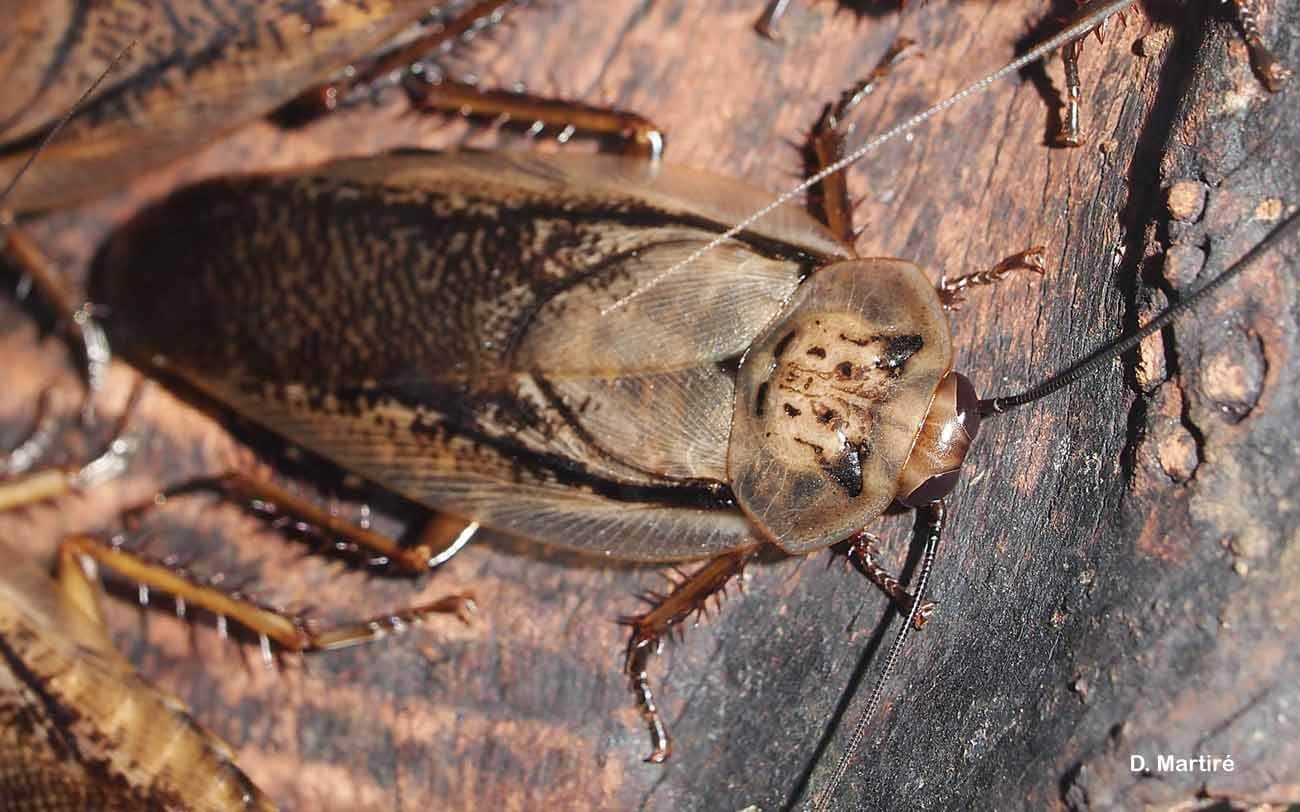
[[862, 553], [934, 517], [72, 320], [291, 632], [1270, 70], [686, 599], [830, 202], [952, 292], [441, 538], [631, 133], [1272, 73], [321, 100]]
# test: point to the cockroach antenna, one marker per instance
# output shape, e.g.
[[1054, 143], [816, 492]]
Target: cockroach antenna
[[6, 219], [94, 342], [1113, 350], [1089, 20], [999, 405]]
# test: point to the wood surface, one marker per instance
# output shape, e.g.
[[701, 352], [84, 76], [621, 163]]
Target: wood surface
[[1121, 572]]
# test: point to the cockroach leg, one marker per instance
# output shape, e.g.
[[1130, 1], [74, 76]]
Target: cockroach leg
[[627, 132], [49, 483], [72, 320], [953, 291], [772, 12], [687, 598], [1071, 134], [440, 539], [35, 444], [290, 632], [1270, 70], [326, 98], [830, 201], [862, 553]]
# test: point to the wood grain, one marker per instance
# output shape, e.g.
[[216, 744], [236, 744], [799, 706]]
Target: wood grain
[[1120, 573]]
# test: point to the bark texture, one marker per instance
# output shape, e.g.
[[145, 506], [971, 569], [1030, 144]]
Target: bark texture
[[1121, 573]]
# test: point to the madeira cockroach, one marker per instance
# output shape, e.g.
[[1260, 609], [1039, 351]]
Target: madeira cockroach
[[694, 764], [1272, 72], [79, 729]]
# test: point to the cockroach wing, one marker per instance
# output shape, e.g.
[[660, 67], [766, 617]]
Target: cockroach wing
[[461, 329], [196, 71], [80, 730]]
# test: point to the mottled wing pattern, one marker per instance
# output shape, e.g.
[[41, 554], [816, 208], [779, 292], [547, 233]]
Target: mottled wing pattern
[[197, 70], [446, 326]]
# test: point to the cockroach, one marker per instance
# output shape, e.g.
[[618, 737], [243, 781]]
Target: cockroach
[[1272, 72], [523, 176], [482, 334], [79, 729], [198, 72]]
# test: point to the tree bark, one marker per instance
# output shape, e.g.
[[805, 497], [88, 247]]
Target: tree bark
[[1119, 572]]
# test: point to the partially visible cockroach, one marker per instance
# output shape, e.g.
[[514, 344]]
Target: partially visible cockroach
[[1272, 72], [199, 71], [79, 729], [579, 350]]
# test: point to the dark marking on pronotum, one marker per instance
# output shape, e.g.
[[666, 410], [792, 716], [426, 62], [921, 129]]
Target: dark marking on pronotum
[[846, 470], [781, 345], [792, 411], [899, 349], [817, 352], [760, 399]]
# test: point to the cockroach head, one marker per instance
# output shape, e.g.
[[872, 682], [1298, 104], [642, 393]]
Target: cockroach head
[[846, 403]]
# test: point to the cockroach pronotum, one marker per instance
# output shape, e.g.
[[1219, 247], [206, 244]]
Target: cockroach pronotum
[[404, 182], [1272, 72]]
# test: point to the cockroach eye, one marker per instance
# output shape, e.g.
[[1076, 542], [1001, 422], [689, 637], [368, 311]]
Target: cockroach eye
[[949, 429]]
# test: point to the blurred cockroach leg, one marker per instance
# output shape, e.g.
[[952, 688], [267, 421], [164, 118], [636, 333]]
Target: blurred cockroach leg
[[1071, 134], [36, 273], [1268, 67], [28, 486], [830, 201], [290, 632], [862, 553], [1270, 70], [687, 598], [619, 130], [34, 445], [395, 62], [773, 11], [952, 292], [440, 539]]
